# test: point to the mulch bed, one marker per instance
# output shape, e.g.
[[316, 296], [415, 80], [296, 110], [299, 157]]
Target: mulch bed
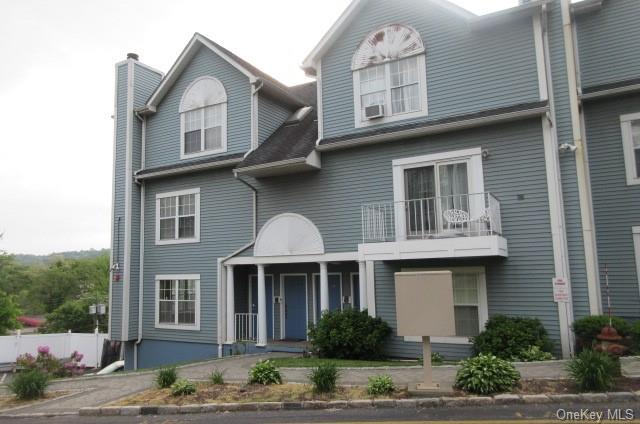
[[7, 402], [208, 393]]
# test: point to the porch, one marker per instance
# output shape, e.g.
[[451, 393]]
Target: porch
[[291, 297]]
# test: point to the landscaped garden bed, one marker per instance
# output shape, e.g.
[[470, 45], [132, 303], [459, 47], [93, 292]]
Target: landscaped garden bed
[[241, 393]]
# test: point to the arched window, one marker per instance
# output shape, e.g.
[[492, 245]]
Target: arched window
[[203, 118], [389, 76]]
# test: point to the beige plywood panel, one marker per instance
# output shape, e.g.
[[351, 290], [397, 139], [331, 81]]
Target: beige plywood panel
[[424, 303]]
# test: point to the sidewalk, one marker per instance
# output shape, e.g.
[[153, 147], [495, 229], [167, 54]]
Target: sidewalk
[[95, 391]]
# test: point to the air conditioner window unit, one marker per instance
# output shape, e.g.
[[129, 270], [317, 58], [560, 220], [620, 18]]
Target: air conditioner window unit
[[373, 112]]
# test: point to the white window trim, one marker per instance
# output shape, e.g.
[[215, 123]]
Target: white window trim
[[636, 247], [422, 89], [196, 237], [223, 131], [483, 308], [191, 327], [475, 176], [627, 145]]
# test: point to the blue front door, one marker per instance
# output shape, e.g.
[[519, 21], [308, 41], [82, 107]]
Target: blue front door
[[295, 307], [335, 301], [268, 282]]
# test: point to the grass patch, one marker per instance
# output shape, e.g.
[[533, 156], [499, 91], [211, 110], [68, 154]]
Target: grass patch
[[240, 393], [340, 363]]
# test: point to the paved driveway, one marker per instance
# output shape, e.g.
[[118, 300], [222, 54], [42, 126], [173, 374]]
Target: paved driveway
[[95, 391]]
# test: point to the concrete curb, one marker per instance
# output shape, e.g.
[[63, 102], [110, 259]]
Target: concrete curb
[[418, 403]]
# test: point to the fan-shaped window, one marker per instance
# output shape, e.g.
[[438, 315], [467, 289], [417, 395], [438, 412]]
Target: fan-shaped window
[[203, 118], [389, 76]]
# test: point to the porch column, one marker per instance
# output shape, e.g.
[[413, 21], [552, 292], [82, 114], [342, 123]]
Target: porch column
[[262, 308], [324, 287], [231, 320], [362, 284]]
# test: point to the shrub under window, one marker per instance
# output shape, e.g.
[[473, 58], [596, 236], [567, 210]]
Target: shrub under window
[[506, 337], [349, 334]]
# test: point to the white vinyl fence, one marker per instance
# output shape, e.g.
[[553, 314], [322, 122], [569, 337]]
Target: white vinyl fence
[[61, 345]]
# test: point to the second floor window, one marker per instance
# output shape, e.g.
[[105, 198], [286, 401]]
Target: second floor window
[[203, 118], [178, 217], [631, 144], [389, 76]]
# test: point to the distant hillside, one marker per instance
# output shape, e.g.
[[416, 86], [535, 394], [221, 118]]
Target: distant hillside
[[74, 254]]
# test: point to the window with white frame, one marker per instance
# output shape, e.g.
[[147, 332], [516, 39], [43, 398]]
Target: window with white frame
[[178, 217], [389, 76], [426, 187], [469, 304], [178, 301], [631, 144], [203, 118]]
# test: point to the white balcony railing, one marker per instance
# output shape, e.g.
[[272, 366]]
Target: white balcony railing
[[460, 215], [246, 327]]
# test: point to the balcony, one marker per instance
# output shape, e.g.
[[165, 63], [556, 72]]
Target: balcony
[[463, 225]]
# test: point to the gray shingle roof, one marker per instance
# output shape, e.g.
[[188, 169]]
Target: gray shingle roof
[[291, 140]]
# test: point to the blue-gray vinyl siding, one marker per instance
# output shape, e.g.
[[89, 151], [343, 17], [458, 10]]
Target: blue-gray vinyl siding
[[609, 43], [467, 70], [145, 81], [271, 115], [225, 226], [155, 353], [117, 242], [163, 127], [573, 220], [332, 199], [615, 203]]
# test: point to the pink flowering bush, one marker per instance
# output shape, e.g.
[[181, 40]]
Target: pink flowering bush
[[48, 364]]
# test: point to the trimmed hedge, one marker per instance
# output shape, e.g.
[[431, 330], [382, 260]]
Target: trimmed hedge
[[506, 337], [349, 334]]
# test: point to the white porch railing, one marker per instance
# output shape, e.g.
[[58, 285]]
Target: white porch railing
[[461, 215], [246, 327]]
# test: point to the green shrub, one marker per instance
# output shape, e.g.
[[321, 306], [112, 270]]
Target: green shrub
[[29, 384], [586, 329], [505, 337], [635, 338], [264, 372], [533, 353], [349, 334], [216, 377], [593, 370], [486, 374], [380, 385], [166, 377], [324, 378], [436, 358], [183, 387]]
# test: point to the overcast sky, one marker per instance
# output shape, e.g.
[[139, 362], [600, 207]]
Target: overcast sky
[[56, 94]]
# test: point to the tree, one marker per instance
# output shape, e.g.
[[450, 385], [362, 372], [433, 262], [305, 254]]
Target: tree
[[8, 313], [73, 315]]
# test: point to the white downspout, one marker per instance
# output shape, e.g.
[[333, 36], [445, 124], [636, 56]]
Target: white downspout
[[141, 260], [582, 166]]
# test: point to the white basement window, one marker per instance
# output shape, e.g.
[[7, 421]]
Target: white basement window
[[469, 304], [178, 302], [203, 118], [630, 125], [178, 217], [389, 76]]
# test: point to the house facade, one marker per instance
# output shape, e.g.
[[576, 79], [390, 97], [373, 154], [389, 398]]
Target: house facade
[[502, 147]]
